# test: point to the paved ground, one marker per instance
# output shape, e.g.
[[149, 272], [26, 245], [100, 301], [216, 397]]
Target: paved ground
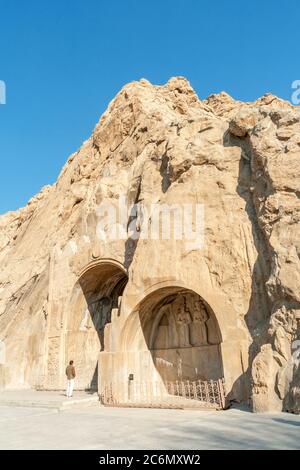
[[96, 427], [38, 399]]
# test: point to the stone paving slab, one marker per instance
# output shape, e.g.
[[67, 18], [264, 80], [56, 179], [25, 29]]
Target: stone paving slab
[[46, 399]]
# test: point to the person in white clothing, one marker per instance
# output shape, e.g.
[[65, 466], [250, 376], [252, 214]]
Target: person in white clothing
[[70, 373]]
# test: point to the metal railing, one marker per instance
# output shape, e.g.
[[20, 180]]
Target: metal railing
[[208, 394]]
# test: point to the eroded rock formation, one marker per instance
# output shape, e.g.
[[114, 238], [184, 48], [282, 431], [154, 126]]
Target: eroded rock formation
[[67, 290]]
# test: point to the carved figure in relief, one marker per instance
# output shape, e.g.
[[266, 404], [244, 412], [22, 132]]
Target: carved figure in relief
[[183, 320], [199, 329]]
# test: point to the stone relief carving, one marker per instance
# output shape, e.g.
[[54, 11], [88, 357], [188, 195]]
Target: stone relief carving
[[97, 314], [101, 312], [200, 317], [183, 320], [182, 324]]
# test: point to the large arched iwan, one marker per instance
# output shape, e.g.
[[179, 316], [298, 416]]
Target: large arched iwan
[[182, 334]]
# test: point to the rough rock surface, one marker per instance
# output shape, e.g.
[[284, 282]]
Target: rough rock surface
[[162, 144]]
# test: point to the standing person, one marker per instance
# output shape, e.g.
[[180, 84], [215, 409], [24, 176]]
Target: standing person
[[70, 373]]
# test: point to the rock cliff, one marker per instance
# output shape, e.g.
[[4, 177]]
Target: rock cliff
[[162, 145]]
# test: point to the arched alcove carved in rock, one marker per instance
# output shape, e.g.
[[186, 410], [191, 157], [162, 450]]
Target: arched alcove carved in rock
[[96, 294], [182, 334]]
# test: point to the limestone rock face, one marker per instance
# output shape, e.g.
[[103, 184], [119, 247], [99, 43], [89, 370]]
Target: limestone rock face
[[60, 266]]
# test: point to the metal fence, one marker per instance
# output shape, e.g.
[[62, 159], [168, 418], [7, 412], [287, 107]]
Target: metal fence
[[208, 394]]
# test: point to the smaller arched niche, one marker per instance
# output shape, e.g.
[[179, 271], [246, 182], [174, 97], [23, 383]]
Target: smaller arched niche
[[102, 284], [182, 334]]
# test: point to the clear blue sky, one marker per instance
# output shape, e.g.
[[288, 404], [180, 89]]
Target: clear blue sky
[[64, 60]]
